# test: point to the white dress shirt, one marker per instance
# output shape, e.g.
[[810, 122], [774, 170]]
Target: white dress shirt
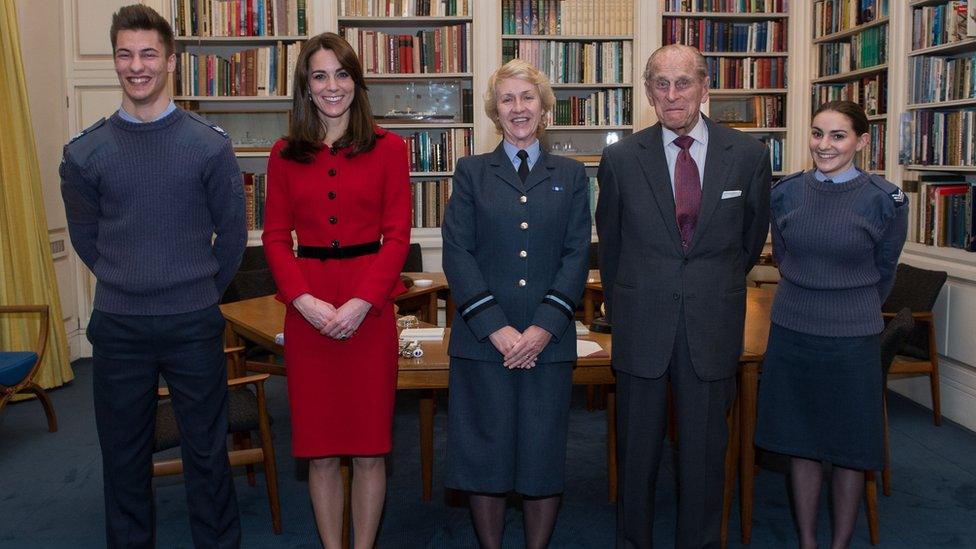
[[697, 149]]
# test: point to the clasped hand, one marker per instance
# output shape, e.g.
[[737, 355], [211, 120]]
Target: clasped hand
[[340, 323], [520, 350]]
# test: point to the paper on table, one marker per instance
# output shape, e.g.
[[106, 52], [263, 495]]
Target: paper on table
[[586, 348], [423, 334], [581, 329]]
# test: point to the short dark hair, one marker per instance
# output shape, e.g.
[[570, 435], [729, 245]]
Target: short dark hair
[[853, 112], [140, 17], [305, 129]]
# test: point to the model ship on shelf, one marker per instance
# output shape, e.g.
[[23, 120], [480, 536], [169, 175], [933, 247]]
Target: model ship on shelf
[[407, 116]]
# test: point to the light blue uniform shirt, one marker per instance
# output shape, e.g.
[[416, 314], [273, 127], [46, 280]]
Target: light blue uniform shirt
[[843, 177], [129, 118], [534, 150]]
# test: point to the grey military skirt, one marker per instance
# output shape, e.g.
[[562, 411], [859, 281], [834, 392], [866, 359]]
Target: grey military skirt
[[506, 429], [821, 398]]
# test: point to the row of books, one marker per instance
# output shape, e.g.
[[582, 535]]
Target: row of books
[[253, 72], [830, 16], [604, 62], [777, 145], [403, 8], [206, 18], [943, 212], [942, 79], [770, 111], [873, 156], [429, 198], [568, 17], [728, 6], [722, 36], [747, 72], [871, 92], [943, 24], [601, 108], [939, 138], [438, 150], [443, 49], [255, 191], [867, 48]]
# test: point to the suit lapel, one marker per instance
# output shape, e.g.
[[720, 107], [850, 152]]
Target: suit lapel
[[501, 165], [718, 166], [540, 172], [655, 167]]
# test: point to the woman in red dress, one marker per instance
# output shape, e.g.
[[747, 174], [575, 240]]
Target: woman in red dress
[[343, 186]]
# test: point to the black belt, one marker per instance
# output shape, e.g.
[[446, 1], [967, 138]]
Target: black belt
[[345, 252]]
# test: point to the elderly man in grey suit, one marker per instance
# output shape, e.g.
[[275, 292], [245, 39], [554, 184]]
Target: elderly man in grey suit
[[682, 217]]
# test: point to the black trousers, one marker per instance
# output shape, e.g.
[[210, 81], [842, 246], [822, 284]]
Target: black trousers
[[130, 353], [700, 409]]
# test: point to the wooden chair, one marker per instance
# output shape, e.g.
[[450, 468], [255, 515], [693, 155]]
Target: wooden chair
[[247, 412], [918, 289], [18, 368]]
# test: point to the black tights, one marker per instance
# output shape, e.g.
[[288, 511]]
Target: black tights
[[538, 516], [846, 487]]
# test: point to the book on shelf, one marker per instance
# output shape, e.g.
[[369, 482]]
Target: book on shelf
[[871, 92], [756, 111], [443, 49], [255, 192], [611, 107], [437, 150], [429, 199], [832, 16], [568, 62], [568, 17], [403, 8], [747, 73], [940, 24], [777, 145], [225, 18], [971, 19], [872, 157], [254, 72], [865, 49], [943, 211], [942, 78], [939, 137], [727, 6], [723, 36]]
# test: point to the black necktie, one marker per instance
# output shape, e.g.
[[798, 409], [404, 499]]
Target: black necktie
[[523, 169]]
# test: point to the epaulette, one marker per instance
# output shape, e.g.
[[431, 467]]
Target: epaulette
[[889, 188], [207, 123], [86, 131], [787, 177]]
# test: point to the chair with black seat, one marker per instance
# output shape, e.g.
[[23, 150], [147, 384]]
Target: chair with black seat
[[918, 289], [247, 412], [894, 334], [415, 260], [18, 368], [253, 277]]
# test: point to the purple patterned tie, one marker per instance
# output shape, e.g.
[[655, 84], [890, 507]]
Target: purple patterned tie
[[687, 190]]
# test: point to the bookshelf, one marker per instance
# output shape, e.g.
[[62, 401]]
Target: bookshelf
[[938, 147], [587, 50], [850, 42], [235, 66], [418, 62], [745, 45]]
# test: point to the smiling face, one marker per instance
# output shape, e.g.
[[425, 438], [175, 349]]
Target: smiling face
[[331, 88], [833, 142], [519, 111], [676, 90], [143, 68]]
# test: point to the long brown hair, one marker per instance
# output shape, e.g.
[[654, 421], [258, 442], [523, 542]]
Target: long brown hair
[[305, 129]]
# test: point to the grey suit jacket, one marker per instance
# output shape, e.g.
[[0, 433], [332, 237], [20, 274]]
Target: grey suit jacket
[[491, 219], [648, 277]]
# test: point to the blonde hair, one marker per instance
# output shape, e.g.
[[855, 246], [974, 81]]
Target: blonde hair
[[517, 68]]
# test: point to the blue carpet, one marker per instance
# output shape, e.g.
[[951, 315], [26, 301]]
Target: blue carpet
[[50, 496]]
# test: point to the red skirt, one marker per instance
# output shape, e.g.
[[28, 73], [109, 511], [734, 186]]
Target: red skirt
[[341, 393]]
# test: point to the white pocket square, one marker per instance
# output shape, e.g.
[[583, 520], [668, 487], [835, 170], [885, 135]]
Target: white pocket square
[[730, 194]]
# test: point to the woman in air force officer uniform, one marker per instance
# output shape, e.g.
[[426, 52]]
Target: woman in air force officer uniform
[[516, 239]]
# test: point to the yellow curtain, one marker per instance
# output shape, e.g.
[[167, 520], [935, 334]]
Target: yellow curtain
[[26, 267]]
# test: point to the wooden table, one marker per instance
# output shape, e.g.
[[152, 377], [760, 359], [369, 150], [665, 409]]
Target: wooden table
[[259, 319], [759, 301], [425, 299]]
